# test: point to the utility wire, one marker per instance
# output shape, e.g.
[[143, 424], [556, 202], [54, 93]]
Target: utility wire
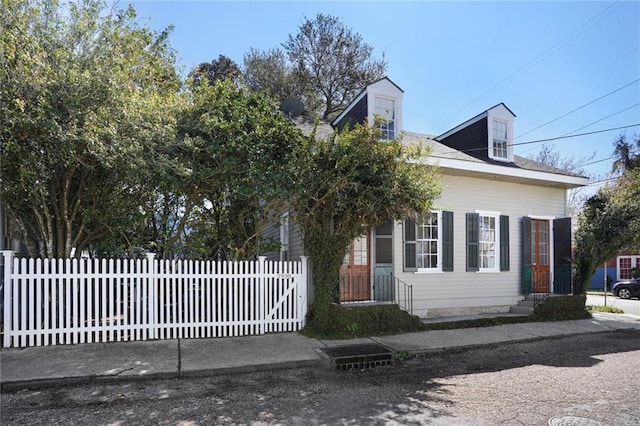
[[604, 159], [579, 108], [546, 140], [604, 118], [587, 77], [534, 60]]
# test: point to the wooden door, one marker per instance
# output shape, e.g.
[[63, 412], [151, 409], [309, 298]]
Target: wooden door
[[355, 274], [540, 255]]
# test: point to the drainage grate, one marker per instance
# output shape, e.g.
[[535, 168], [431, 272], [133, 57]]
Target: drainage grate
[[359, 356], [573, 421]]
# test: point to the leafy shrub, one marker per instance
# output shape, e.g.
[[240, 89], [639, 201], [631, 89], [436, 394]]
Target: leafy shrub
[[362, 321], [561, 308]]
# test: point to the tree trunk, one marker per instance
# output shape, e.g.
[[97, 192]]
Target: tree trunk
[[326, 256]]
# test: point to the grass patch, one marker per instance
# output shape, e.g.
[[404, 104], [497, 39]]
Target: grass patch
[[600, 308], [380, 320]]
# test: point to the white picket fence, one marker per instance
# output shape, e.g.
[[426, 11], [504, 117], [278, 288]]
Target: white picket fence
[[69, 301]]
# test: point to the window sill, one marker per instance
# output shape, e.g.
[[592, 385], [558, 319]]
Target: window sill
[[492, 271], [435, 271]]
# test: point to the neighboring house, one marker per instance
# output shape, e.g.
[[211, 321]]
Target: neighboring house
[[499, 231], [618, 268]]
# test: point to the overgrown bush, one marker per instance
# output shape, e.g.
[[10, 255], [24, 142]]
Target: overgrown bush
[[561, 308], [348, 322], [379, 320]]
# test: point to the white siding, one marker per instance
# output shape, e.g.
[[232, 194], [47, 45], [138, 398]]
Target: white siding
[[459, 291], [272, 231]]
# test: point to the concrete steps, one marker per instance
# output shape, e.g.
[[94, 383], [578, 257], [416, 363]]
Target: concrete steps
[[524, 307]]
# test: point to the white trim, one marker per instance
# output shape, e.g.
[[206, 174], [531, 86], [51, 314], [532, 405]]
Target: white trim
[[498, 170], [509, 141], [418, 270], [348, 108], [496, 241], [285, 222], [632, 257], [550, 219], [462, 126]]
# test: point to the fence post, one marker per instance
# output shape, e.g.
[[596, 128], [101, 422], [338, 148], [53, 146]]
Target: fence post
[[7, 284], [302, 291], [152, 295], [261, 294]]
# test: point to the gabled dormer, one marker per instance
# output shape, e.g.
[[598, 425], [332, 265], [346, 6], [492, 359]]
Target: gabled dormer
[[381, 98], [488, 135]]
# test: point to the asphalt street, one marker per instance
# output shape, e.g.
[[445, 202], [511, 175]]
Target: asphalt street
[[586, 380], [629, 306]]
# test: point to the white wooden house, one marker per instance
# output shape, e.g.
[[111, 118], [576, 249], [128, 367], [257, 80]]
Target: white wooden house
[[499, 231]]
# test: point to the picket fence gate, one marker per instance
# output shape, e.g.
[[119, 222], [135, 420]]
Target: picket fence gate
[[70, 301]]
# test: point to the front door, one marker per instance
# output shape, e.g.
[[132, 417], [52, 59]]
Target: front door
[[540, 255], [355, 274]]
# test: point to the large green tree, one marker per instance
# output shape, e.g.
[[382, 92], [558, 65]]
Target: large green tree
[[345, 185], [610, 219], [325, 64], [85, 96], [236, 148], [270, 71], [218, 69]]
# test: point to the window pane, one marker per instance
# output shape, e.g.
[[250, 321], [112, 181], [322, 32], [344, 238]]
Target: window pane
[[410, 255], [409, 230], [383, 250], [385, 229], [385, 109], [488, 243], [500, 139]]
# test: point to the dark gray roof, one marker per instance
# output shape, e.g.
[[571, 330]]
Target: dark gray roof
[[309, 124], [438, 150]]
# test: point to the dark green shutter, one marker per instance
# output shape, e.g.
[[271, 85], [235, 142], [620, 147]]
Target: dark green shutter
[[562, 256], [447, 241], [527, 272], [409, 244], [473, 236], [504, 243]]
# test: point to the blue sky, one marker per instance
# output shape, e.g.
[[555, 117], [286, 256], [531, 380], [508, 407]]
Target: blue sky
[[456, 59]]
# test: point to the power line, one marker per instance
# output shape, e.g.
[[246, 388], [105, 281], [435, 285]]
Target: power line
[[604, 118], [588, 77], [565, 136], [546, 140], [605, 159], [602, 180], [535, 59], [579, 108]]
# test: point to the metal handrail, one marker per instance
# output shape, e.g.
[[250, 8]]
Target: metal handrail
[[404, 295]]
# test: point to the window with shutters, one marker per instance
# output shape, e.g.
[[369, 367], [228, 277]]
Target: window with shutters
[[425, 248], [487, 242]]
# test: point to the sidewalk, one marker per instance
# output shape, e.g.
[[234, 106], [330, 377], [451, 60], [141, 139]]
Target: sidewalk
[[192, 357]]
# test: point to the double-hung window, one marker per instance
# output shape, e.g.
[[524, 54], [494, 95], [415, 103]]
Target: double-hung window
[[385, 110], [428, 242], [487, 237], [500, 139], [488, 242], [625, 266]]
